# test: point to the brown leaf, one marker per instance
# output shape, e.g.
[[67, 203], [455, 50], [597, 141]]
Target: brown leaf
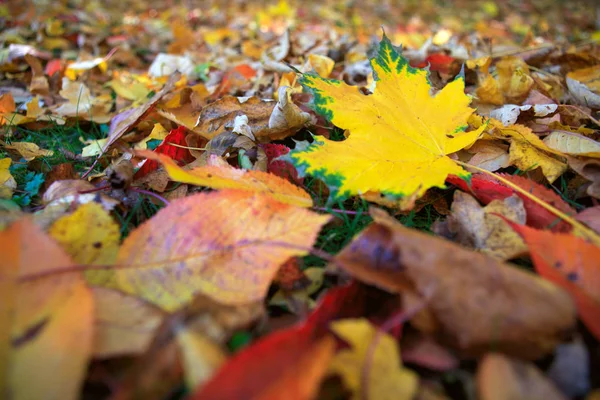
[[476, 301], [502, 378]]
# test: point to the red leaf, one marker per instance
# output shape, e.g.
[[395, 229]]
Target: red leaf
[[279, 167], [176, 136], [437, 62], [290, 276], [54, 66], [571, 263], [487, 189], [286, 364]]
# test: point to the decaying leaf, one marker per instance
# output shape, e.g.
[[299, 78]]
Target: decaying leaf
[[224, 176], [27, 150], [400, 135], [573, 144], [476, 302], [233, 265], [385, 378], [50, 317], [482, 229], [583, 85]]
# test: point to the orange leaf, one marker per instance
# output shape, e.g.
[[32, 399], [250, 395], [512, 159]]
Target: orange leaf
[[571, 263], [50, 325], [227, 177], [227, 245]]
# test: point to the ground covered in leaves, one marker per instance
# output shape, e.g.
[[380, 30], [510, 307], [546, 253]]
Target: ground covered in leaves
[[311, 200]]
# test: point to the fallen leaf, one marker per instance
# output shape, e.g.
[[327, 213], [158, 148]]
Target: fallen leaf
[[201, 357], [7, 183], [489, 155], [52, 316], [400, 136], [28, 151], [482, 229], [571, 263], [89, 235], [504, 307], [234, 267], [227, 177], [508, 113], [590, 169], [289, 361], [219, 116], [124, 324], [583, 86], [573, 144], [385, 378], [128, 119], [487, 189], [169, 64], [81, 103], [514, 79], [502, 378], [279, 167], [590, 217], [174, 152]]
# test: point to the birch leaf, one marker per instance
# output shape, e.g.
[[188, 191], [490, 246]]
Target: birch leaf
[[400, 135]]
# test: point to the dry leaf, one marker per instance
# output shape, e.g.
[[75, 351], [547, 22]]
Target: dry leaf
[[233, 264], [573, 144], [28, 151], [224, 176], [584, 87], [502, 378], [7, 183], [476, 301]]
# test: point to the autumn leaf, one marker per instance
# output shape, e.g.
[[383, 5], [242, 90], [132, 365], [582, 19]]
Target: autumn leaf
[[385, 378], [571, 263], [400, 135], [493, 304], [201, 244], [290, 361], [227, 177], [50, 317], [7, 183]]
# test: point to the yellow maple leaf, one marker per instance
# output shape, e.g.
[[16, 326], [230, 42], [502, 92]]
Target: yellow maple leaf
[[400, 135], [386, 378]]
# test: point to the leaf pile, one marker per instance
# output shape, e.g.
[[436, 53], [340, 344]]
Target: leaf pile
[[281, 201]]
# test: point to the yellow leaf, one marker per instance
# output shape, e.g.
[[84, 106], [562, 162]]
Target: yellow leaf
[[488, 91], [158, 133], [226, 177], [322, 65], [226, 245], [134, 91], [7, 183], [91, 237], [29, 151], [573, 144], [400, 135], [94, 148], [514, 79], [51, 320], [386, 379], [201, 357]]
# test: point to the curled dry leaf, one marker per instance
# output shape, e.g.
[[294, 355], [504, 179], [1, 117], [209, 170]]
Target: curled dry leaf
[[44, 317], [482, 229], [219, 116], [571, 263], [476, 301], [583, 86], [502, 378], [233, 265], [28, 151], [224, 176], [590, 170], [573, 144]]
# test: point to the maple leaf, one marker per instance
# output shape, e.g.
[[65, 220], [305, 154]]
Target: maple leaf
[[400, 135]]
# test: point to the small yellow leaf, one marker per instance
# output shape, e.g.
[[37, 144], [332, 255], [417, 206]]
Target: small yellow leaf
[[386, 379], [201, 357], [7, 183], [488, 91], [158, 133], [29, 151], [94, 148], [91, 237], [227, 177]]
